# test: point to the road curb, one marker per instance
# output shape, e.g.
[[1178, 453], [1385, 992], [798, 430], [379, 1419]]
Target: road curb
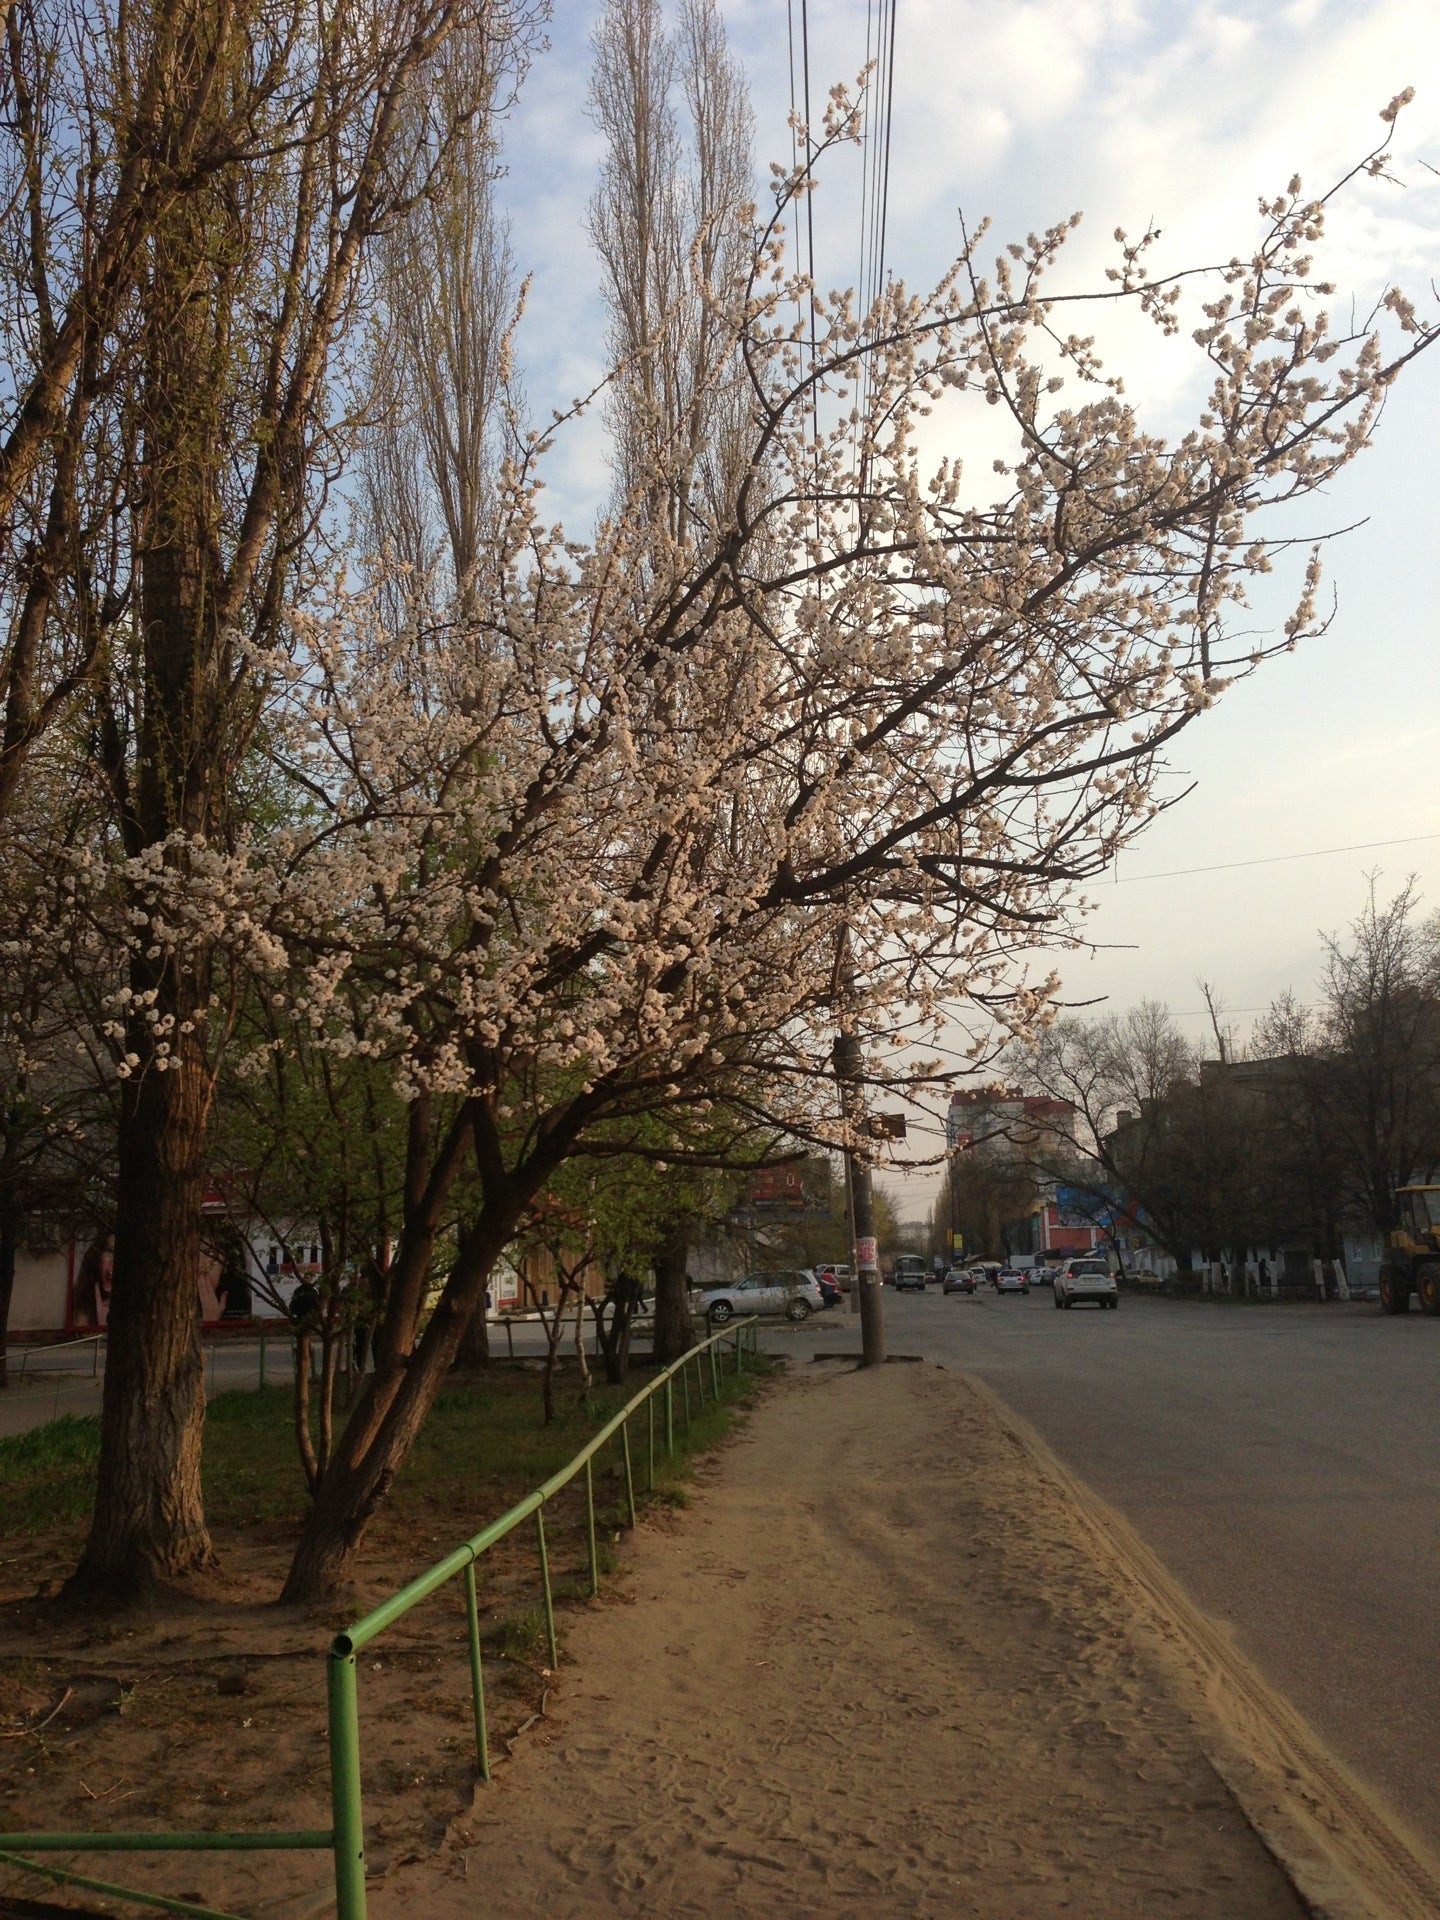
[[857, 1359], [1346, 1857]]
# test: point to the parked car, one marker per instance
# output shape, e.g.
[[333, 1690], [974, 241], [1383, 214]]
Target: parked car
[[1012, 1280], [1086, 1280], [910, 1272], [958, 1280], [830, 1287], [795, 1292]]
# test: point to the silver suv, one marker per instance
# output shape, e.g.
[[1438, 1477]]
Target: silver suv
[[795, 1292]]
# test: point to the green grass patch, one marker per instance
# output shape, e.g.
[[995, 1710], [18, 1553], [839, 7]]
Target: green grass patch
[[521, 1635], [483, 1447], [47, 1476]]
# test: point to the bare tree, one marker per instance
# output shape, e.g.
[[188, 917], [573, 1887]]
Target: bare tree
[[440, 379], [441, 397], [1381, 1012], [1135, 1084], [57, 1071], [672, 222]]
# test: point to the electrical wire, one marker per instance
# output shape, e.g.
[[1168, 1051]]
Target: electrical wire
[[889, 124], [877, 109], [1274, 859]]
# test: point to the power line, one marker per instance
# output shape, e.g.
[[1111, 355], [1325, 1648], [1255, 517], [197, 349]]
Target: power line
[[877, 104], [1273, 859], [889, 121]]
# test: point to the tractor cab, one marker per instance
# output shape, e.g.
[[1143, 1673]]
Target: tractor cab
[[1412, 1259], [1419, 1229]]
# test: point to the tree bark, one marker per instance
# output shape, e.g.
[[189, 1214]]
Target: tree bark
[[8, 1243], [473, 1351], [384, 1425], [149, 1519], [408, 1375], [149, 1516], [674, 1333], [613, 1317], [554, 1328]]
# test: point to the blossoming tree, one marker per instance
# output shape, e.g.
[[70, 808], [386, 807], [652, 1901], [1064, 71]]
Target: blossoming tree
[[588, 851]]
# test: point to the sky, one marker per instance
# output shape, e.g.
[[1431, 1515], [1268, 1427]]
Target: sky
[[1135, 113]]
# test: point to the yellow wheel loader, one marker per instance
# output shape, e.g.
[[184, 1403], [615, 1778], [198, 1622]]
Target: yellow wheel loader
[[1412, 1253]]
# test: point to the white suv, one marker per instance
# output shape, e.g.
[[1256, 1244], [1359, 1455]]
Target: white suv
[[1086, 1280]]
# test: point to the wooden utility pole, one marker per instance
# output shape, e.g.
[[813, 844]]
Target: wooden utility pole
[[849, 1063]]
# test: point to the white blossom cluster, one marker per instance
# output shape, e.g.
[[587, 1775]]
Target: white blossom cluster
[[593, 845]]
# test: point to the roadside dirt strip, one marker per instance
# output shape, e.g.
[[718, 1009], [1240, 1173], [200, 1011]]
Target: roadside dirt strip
[[896, 1660]]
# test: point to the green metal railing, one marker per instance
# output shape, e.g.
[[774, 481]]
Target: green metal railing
[[346, 1836]]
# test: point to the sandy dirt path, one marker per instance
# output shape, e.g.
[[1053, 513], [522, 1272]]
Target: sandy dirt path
[[876, 1669]]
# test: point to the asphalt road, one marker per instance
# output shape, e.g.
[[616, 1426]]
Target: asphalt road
[[1283, 1461]]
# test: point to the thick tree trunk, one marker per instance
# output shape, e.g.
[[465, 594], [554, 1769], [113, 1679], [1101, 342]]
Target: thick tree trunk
[[674, 1333], [8, 1243], [149, 1519]]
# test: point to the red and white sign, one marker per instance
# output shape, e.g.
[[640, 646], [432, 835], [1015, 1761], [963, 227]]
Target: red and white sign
[[865, 1253]]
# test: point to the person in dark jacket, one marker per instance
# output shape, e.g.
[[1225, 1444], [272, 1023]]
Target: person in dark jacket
[[232, 1289], [305, 1307]]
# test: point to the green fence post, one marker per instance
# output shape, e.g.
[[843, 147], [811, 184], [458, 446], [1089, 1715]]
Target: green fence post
[[262, 1353], [714, 1374], [545, 1577], [670, 1418], [477, 1673], [700, 1377], [685, 1390], [629, 1476], [650, 1431], [739, 1336], [345, 1809], [590, 1530]]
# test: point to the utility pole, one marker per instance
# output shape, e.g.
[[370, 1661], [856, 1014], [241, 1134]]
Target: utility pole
[[952, 1187], [849, 1062]]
